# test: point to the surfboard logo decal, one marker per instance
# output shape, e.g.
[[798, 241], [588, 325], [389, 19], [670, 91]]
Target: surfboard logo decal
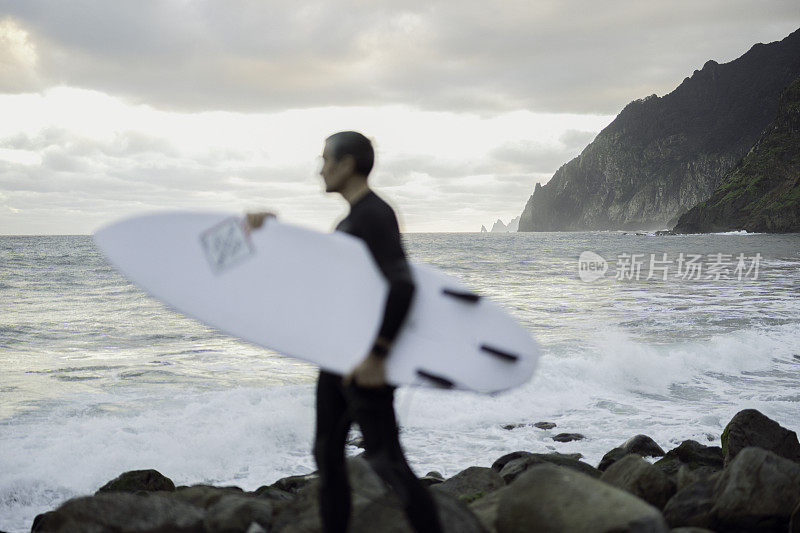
[[226, 244]]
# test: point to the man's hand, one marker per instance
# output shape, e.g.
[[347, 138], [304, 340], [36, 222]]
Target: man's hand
[[371, 373], [255, 220]]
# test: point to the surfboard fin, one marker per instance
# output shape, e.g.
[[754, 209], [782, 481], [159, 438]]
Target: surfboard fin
[[437, 380], [500, 354], [466, 296]]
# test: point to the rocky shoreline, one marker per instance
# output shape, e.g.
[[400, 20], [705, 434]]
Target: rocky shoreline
[[749, 484]]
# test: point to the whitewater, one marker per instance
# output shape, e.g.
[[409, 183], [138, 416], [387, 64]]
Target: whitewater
[[673, 336]]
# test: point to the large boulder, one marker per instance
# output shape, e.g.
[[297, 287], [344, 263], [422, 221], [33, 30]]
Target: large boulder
[[485, 509], [639, 444], [472, 483], [758, 491], [122, 512], [293, 484], [640, 478], [551, 499], [386, 515], [301, 515], [204, 496], [237, 514], [510, 466], [691, 506], [751, 428], [686, 476], [692, 454], [271, 493], [136, 480], [498, 465]]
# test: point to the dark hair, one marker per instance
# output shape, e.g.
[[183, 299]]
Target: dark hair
[[354, 144]]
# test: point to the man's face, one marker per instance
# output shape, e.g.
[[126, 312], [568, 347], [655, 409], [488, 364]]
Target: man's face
[[335, 173]]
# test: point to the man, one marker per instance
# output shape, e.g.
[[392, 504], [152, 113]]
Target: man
[[363, 395]]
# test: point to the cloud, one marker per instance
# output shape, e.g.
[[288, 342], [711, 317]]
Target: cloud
[[136, 166], [561, 56], [532, 157], [18, 59]]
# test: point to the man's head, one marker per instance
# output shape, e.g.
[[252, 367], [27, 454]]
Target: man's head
[[346, 154]]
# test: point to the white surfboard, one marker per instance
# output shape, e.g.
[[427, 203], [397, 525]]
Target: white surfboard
[[318, 297]]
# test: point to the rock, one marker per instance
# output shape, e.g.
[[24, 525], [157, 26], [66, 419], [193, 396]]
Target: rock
[[498, 465], [757, 491], [544, 425], [485, 509], [686, 476], [236, 513], [751, 428], [690, 530], [644, 446], [575, 456], [301, 515], [692, 454], [640, 478], [611, 457], [147, 480], [204, 496], [692, 505], [386, 515], [640, 444], [47, 521], [551, 499], [432, 478], [568, 437], [271, 493], [293, 484], [121, 512], [472, 483], [499, 227], [522, 462]]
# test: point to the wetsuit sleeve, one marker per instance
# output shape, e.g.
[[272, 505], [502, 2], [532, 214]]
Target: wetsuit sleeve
[[382, 236]]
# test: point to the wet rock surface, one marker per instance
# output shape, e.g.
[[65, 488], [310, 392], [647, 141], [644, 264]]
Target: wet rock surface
[[691, 489]]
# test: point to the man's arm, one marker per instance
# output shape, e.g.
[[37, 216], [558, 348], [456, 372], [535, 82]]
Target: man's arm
[[398, 303], [383, 239]]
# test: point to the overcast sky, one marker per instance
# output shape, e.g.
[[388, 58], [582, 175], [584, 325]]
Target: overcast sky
[[118, 107]]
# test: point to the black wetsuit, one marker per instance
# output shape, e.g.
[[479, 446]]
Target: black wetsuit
[[374, 221]]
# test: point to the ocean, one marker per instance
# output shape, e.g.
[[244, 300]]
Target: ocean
[[668, 336]]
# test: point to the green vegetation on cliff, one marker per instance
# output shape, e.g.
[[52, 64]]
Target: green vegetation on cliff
[[762, 192]]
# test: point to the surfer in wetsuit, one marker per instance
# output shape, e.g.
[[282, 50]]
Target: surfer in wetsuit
[[363, 396]]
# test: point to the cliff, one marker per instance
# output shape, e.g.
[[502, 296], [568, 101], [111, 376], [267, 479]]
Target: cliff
[[663, 155], [762, 192]]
